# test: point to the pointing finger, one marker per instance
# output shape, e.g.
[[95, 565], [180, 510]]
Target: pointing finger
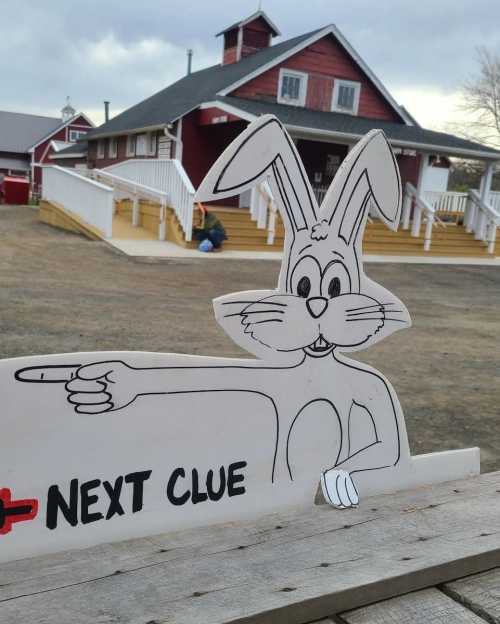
[[47, 374]]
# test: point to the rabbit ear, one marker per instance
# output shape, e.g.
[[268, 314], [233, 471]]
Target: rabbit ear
[[369, 174], [264, 151]]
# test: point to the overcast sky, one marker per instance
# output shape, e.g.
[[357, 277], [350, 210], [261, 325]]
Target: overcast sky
[[125, 50]]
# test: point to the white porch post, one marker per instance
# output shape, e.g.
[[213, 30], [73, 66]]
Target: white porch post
[[417, 214], [162, 228], [484, 192]]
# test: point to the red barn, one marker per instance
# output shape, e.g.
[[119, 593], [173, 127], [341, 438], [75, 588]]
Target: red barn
[[27, 141], [320, 88]]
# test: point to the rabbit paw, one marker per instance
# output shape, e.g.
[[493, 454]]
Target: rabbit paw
[[338, 489]]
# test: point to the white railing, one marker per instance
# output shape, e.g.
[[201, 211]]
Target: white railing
[[421, 209], [263, 209], [481, 219], [126, 188], [455, 202], [447, 202], [166, 175], [91, 201]]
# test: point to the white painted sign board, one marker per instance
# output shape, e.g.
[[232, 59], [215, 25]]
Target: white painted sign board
[[100, 447]]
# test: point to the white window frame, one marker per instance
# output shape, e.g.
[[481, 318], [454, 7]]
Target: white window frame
[[101, 145], [131, 145], [141, 144], [113, 147], [79, 134], [302, 91], [357, 91], [152, 144]]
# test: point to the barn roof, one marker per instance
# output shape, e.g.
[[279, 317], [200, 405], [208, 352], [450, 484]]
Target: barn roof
[[72, 150], [307, 121], [190, 91], [19, 131]]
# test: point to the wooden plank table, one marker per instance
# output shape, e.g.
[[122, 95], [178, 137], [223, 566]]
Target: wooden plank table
[[293, 567]]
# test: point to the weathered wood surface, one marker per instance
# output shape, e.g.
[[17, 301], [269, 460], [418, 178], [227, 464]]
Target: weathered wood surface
[[294, 567], [480, 592], [428, 606]]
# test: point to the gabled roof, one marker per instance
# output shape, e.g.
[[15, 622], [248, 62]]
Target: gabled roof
[[19, 131], [62, 124], [246, 21], [189, 92], [308, 122], [72, 150]]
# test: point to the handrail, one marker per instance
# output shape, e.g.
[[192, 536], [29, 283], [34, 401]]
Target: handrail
[[421, 206], [166, 175], [263, 210], [89, 200], [481, 219], [126, 184]]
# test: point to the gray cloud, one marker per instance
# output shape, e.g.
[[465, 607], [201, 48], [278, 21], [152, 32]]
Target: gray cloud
[[124, 51]]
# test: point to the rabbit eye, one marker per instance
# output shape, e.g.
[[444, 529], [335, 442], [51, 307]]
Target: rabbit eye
[[334, 288], [304, 287], [336, 280]]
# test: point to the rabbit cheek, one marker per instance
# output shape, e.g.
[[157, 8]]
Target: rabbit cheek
[[352, 320]]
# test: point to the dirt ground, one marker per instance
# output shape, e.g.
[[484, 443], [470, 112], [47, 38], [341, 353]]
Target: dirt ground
[[60, 293]]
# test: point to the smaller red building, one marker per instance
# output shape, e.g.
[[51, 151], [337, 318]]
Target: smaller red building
[[28, 141]]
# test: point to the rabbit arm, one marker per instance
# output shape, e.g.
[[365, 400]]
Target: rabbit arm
[[184, 379], [382, 407]]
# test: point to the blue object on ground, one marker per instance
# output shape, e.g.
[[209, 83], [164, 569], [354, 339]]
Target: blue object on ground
[[205, 245]]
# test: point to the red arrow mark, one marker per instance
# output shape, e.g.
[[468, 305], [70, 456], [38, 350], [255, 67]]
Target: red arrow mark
[[15, 510]]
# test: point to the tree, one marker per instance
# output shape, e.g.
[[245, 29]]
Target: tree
[[481, 99]]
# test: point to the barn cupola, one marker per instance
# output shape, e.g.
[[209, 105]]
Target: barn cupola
[[67, 112], [247, 36]]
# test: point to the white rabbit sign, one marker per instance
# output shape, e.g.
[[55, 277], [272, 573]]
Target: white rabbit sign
[[98, 447]]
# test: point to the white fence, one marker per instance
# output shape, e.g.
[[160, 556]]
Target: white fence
[[481, 219], [91, 201], [166, 175], [455, 202]]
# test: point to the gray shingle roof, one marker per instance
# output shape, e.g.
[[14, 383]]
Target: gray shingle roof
[[17, 163], [18, 131], [75, 149], [356, 126], [188, 92]]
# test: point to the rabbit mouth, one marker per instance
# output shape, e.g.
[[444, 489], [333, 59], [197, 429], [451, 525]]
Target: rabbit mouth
[[319, 347]]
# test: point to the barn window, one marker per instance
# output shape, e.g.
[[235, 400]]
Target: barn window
[[100, 148], [113, 147], [292, 87], [131, 145], [74, 135], [346, 96], [152, 144]]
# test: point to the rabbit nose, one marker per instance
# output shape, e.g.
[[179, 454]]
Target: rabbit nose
[[316, 306]]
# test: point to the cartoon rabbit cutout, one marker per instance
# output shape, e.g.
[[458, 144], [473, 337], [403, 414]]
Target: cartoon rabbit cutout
[[345, 413]]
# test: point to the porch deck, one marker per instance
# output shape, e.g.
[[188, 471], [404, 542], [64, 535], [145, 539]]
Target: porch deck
[[295, 567]]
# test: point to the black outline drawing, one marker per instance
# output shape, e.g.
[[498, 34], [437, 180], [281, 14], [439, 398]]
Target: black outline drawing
[[335, 317]]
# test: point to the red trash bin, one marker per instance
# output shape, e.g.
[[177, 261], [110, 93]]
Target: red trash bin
[[15, 190]]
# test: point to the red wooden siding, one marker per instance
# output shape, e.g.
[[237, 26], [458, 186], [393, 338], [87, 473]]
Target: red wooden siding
[[202, 145], [322, 61], [256, 35]]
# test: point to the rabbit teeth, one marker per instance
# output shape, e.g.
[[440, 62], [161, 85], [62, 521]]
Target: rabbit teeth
[[320, 344]]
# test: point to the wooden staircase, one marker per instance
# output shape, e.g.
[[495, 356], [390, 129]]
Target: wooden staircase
[[452, 240]]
